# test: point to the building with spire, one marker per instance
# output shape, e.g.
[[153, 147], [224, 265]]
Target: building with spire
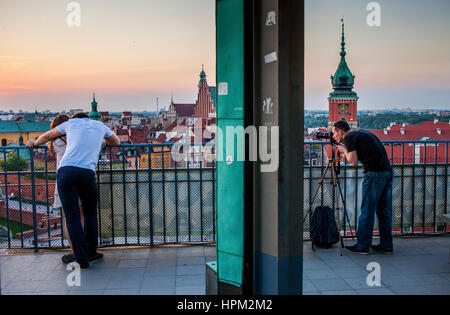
[[203, 108], [205, 100], [343, 100], [94, 114]]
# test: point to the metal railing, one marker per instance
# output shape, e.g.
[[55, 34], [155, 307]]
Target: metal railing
[[420, 194], [146, 198]]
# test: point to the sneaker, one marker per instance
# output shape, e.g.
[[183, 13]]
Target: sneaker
[[84, 266], [353, 249], [67, 259], [378, 248], [96, 257]]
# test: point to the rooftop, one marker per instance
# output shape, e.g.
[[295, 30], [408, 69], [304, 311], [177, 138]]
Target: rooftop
[[418, 266]]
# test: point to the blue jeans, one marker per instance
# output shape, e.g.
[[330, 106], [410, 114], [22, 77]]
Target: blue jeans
[[74, 183], [376, 198]]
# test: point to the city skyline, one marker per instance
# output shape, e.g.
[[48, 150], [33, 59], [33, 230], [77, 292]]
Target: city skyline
[[132, 53]]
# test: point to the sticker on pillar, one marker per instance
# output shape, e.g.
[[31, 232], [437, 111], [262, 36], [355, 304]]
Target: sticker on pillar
[[229, 159], [223, 88], [271, 18], [272, 57], [267, 106]]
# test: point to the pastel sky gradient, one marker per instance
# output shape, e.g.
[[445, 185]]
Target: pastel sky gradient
[[403, 63], [131, 52]]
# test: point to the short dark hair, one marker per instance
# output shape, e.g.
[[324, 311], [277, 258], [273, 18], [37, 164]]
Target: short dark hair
[[81, 115], [342, 125]]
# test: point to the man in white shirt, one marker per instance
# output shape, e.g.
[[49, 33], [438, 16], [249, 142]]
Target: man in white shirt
[[76, 180]]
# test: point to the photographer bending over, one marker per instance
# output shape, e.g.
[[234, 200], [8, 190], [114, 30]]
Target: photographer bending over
[[363, 146]]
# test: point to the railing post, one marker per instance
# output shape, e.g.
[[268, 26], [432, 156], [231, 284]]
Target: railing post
[[33, 200]]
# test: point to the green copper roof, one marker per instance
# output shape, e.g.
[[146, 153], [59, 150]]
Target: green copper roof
[[11, 126], [343, 79], [202, 76]]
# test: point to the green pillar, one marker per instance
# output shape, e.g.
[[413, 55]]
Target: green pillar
[[230, 172]]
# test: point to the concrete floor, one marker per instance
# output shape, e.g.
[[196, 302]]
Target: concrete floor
[[418, 266]]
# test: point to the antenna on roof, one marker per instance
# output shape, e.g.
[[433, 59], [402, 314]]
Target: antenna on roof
[[157, 105]]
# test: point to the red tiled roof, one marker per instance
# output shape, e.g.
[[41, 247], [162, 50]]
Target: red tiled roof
[[172, 126], [137, 135], [415, 132], [162, 138], [40, 187], [185, 110]]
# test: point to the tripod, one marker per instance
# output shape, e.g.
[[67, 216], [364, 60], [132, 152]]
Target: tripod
[[334, 166]]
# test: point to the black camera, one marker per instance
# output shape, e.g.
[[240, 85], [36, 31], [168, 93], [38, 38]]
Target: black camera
[[326, 135]]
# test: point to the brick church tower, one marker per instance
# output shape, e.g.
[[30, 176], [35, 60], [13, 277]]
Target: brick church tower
[[205, 100], [343, 101]]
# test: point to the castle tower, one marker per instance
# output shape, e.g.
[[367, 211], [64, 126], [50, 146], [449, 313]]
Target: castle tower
[[94, 114], [343, 101]]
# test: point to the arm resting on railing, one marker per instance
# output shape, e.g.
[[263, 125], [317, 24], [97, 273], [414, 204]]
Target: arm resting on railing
[[44, 138], [112, 141]]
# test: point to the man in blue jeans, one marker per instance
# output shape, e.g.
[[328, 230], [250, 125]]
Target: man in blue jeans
[[76, 180], [363, 146]]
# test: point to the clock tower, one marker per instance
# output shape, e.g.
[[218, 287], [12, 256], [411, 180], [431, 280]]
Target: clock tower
[[343, 101]]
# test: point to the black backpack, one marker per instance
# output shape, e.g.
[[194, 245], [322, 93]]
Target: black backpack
[[324, 232]]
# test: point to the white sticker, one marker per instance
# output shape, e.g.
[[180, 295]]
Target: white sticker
[[271, 18], [223, 88], [267, 106], [229, 159], [272, 57]]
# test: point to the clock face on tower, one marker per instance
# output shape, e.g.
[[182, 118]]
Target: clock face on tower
[[343, 109]]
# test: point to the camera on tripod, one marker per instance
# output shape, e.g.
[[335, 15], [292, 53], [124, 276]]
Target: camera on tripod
[[326, 135]]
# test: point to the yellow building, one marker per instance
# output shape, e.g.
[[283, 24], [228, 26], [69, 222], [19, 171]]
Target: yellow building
[[157, 157], [11, 131]]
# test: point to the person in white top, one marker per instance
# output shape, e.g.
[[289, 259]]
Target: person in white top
[[58, 147], [76, 180]]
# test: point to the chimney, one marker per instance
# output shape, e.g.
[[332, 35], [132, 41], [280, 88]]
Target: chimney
[[439, 131], [402, 131], [436, 121], [403, 125], [388, 128], [385, 131]]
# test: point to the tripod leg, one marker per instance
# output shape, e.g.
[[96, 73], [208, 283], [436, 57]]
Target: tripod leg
[[317, 191], [335, 180], [345, 209]]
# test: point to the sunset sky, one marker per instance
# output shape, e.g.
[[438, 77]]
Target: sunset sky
[[131, 52]]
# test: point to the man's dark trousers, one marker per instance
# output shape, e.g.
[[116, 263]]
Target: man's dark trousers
[[74, 183], [376, 199]]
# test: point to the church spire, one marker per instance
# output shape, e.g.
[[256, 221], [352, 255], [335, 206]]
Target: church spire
[[202, 76], [343, 53], [95, 115], [343, 79]]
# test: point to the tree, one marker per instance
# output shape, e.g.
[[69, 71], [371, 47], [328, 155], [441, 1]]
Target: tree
[[12, 164]]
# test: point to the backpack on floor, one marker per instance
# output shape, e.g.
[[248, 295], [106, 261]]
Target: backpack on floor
[[324, 232]]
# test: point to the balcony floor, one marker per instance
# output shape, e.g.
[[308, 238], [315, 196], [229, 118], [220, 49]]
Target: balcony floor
[[419, 266]]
